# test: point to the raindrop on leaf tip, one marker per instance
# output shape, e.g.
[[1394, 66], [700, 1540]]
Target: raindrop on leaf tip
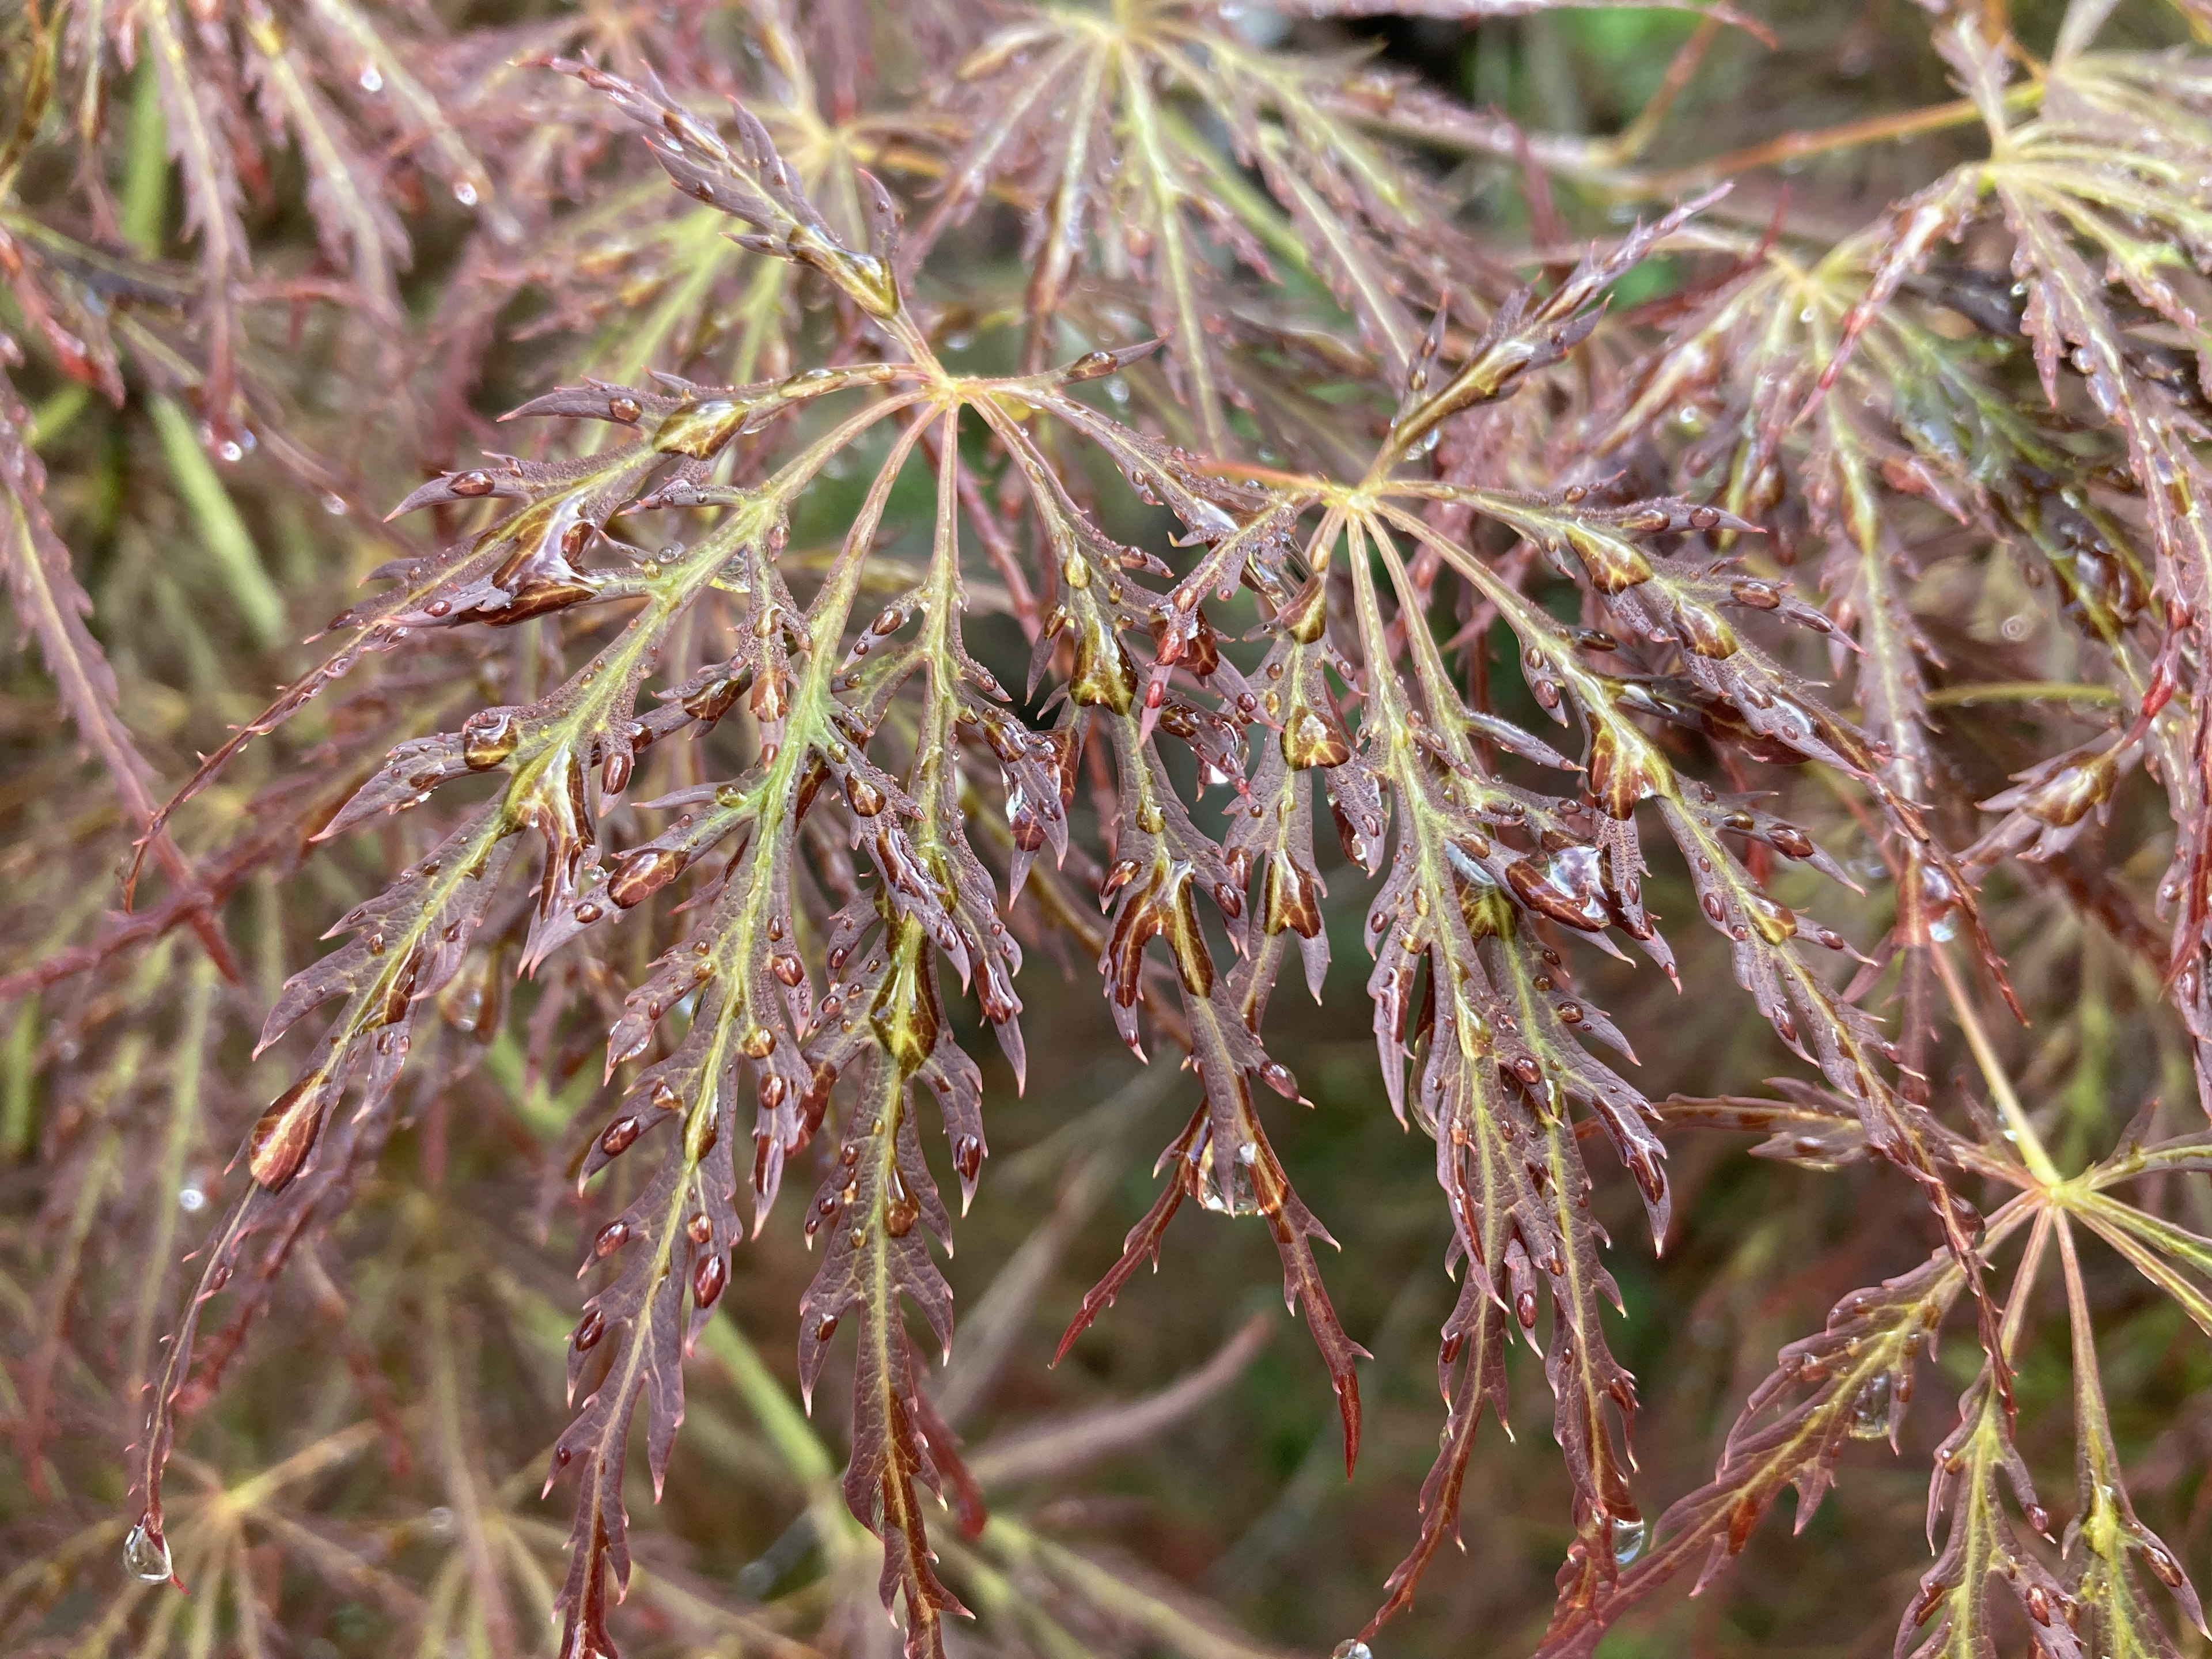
[[146, 1554]]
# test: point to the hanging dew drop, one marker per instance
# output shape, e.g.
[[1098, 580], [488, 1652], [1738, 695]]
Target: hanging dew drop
[[1870, 1410], [1352, 1649], [372, 80], [146, 1554], [1629, 1538], [466, 193]]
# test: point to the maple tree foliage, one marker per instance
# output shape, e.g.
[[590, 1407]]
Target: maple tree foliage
[[988, 480]]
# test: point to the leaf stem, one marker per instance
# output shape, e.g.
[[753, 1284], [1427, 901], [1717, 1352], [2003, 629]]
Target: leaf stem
[[2032, 1150], [1798, 146], [1635, 138], [1966, 696]]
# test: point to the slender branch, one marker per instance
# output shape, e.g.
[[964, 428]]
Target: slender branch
[[1635, 138], [1968, 697], [2017, 1123], [1823, 140]]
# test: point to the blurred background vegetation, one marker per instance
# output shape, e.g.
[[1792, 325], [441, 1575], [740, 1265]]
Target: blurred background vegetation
[[367, 1480]]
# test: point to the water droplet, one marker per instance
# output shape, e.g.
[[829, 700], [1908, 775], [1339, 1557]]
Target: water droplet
[[190, 1200], [901, 1211], [1629, 1537], [2163, 1563], [146, 1554], [1352, 1649], [372, 80], [466, 193], [1870, 1411], [439, 1522], [863, 797], [707, 1280]]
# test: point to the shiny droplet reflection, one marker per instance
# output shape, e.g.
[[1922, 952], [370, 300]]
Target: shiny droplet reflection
[[1870, 1410], [1629, 1538], [146, 1555]]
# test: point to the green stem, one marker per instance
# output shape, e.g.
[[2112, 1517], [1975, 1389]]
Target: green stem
[[2032, 1150]]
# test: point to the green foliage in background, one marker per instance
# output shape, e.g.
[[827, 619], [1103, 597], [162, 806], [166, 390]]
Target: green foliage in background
[[1591, 623]]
